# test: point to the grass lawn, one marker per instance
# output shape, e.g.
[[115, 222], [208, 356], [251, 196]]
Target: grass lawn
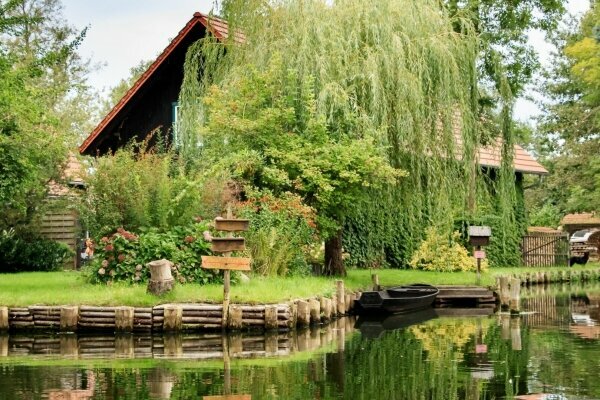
[[68, 287]]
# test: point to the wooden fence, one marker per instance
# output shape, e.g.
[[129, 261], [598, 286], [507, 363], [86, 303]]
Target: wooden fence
[[63, 226], [545, 249]]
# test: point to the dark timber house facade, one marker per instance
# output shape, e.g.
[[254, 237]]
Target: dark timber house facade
[[149, 108]]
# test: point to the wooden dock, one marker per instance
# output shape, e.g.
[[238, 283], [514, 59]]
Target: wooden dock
[[465, 296]]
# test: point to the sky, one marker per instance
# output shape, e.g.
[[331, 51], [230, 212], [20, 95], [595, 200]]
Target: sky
[[121, 33]]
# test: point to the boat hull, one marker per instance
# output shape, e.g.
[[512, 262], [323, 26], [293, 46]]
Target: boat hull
[[396, 300]]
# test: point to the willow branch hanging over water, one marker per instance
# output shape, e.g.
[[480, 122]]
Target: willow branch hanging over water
[[400, 72]]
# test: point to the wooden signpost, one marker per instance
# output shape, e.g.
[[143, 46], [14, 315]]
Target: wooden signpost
[[225, 246]]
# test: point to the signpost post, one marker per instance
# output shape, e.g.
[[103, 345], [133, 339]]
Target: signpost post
[[226, 246], [479, 236]]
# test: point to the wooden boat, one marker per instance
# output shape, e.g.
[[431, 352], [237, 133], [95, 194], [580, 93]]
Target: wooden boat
[[399, 299]]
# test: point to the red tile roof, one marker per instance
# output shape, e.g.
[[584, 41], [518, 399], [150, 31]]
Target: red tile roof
[[490, 156], [216, 26]]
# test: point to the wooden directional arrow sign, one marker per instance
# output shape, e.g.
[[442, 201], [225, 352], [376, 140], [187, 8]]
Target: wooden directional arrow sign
[[231, 225], [231, 263], [224, 245]]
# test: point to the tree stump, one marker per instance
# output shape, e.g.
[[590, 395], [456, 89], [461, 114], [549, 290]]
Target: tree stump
[[161, 280]]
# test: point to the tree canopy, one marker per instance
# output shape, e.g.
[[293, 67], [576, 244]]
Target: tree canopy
[[568, 133], [399, 80]]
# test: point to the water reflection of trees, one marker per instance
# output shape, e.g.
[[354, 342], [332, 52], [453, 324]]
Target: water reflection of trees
[[486, 358]]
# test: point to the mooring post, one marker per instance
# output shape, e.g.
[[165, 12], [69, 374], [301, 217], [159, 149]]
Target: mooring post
[[271, 317], [234, 317], [173, 318], [315, 311], [375, 279], [515, 296], [3, 319], [303, 313], [326, 308], [334, 304], [504, 292], [69, 317], [341, 297], [124, 319]]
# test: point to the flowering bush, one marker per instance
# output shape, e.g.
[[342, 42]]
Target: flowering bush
[[441, 253], [280, 234], [123, 255]]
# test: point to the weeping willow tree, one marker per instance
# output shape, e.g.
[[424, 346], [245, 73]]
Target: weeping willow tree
[[398, 74]]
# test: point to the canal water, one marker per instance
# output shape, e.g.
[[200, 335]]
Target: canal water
[[551, 352]]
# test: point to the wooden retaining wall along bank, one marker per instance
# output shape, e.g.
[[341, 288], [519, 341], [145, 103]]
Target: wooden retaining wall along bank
[[193, 345], [180, 317]]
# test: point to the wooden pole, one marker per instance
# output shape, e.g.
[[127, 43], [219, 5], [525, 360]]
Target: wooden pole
[[227, 276], [69, 317], [124, 319], [375, 279], [315, 311], [341, 297], [3, 318]]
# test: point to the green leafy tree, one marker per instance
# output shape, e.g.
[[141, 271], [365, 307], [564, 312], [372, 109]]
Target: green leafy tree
[[401, 77], [39, 72], [568, 131], [271, 139], [503, 28]]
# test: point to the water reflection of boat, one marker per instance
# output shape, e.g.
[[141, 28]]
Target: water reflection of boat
[[397, 299], [372, 326]]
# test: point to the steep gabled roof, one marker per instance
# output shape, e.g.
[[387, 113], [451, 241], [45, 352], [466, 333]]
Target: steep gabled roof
[[489, 156], [214, 25]]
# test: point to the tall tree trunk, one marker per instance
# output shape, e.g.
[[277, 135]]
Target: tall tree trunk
[[334, 264]]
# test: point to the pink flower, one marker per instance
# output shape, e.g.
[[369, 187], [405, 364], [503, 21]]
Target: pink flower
[[101, 271], [109, 247], [121, 258], [104, 240], [105, 263]]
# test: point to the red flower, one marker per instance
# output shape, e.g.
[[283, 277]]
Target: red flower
[[109, 247], [121, 257], [189, 239]]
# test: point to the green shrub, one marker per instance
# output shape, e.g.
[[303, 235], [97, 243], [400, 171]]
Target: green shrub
[[443, 253], [19, 254], [137, 189], [123, 255], [281, 230]]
